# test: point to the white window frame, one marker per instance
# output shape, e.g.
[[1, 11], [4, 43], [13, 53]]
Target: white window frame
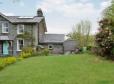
[[4, 28], [18, 49], [51, 46], [18, 28]]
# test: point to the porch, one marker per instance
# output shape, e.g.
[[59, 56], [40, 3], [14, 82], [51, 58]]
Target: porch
[[6, 46]]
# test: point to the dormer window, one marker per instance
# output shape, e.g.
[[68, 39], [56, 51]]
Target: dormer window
[[5, 27], [20, 29]]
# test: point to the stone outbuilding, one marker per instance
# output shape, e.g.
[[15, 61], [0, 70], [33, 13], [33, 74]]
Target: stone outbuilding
[[54, 42]]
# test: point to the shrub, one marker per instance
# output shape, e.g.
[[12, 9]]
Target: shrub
[[36, 54], [9, 60], [6, 61], [26, 52], [80, 50], [45, 52], [105, 38], [89, 47], [1, 64], [105, 41]]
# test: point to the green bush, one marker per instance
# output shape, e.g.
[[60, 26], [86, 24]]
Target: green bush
[[45, 52], [6, 61], [36, 54], [1, 67], [80, 50], [9, 60], [1, 64], [26, 52], [89, 47]]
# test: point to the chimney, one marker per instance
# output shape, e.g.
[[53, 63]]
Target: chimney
[[39, 12]]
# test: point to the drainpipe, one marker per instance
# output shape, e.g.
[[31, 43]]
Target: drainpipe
[[63, 48], [38, 34], [12, 46]]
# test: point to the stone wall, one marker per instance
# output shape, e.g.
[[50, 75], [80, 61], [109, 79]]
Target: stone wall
[[70, 46], [57, 48]]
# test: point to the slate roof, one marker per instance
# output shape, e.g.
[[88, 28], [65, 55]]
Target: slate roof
[[16, 19], [53, 38]]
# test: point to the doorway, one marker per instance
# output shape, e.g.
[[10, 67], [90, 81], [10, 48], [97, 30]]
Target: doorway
[[5, 48]]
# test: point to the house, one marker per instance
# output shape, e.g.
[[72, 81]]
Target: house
[[17, 32]]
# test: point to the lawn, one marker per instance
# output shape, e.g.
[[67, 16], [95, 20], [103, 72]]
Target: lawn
[[72, 69]]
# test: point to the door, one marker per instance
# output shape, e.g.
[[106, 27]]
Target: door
[[5, 48]]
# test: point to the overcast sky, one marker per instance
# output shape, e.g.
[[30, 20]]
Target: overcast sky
[[60, 15]]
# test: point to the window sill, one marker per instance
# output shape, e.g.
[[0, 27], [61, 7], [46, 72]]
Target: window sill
[[19, 50], [5, 32], [20, 33], [50, 48]]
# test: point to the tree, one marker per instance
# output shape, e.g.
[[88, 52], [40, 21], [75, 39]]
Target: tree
[[109, 11], [81, 33], [105, 36]]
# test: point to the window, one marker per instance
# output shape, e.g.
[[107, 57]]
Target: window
[[20, 44], [20, 29], [5, 27], [50, 47]]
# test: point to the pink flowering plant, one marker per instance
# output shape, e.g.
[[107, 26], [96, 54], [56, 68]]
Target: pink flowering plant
[[105, 38]]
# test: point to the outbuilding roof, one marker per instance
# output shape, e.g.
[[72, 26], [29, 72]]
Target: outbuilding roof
[[53, 38]]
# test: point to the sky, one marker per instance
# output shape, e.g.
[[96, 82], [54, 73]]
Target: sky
[[60, 15]]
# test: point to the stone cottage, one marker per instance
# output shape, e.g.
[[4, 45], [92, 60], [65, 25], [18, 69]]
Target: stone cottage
[[13, 28]]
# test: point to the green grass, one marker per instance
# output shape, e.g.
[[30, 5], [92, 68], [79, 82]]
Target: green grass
[[73, 69]]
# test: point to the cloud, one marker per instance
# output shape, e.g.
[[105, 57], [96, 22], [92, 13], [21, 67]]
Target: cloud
[[50, 5], [84, 1], [79, 10], [73, 9], [8, 14], [21, 3], [105, 4]]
